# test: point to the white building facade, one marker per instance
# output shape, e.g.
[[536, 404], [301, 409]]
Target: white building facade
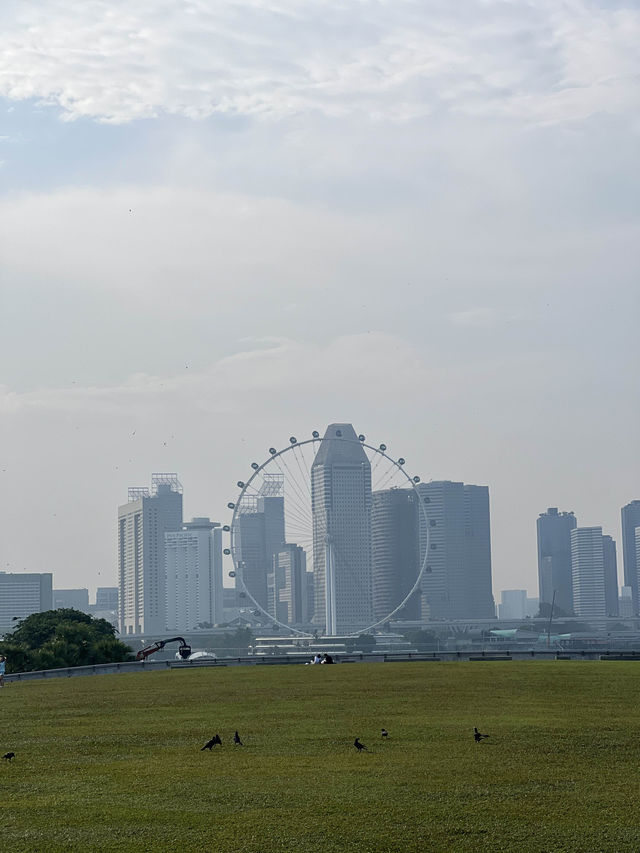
[[588, 571], [194, 594]]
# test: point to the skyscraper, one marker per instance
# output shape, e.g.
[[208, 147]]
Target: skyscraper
[[194, 575], [259, 536], [610, 575], [587, 571], [457, 579], [341, 516], [630, 521], [287, 585], [395, 552], [142, 523], [554, 557]]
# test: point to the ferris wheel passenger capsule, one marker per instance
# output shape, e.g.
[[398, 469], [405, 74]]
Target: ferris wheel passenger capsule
[[293, 439], [383, 447], [231, 505], [226, 551], [272, 451], [315, 434]]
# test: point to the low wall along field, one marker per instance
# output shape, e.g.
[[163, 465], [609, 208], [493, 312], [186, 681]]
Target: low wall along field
[[114, 763]]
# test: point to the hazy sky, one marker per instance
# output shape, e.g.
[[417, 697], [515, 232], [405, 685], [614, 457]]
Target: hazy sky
[[225, 223]]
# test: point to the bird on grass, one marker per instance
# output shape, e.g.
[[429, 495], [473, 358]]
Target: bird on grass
[[385, 733], [477, 736], [359, 746], [215, 740], [9, 755], [236, 740]]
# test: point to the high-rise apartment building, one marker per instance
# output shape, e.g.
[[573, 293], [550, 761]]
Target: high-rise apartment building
[[142, 523], [23, 594], [588, 571], [456, 583], [554, 557], [341, 517], [630, 514], [395, 552], [287, 585], [194, 575], [259, 535]]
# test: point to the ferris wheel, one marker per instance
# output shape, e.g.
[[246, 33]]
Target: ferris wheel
[[330, 511]]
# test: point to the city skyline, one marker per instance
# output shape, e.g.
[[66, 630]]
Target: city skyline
[[420, 218]]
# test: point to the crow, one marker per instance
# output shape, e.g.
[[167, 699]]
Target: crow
[[477, 736], [359, 746], [236, 740], [211, 743], [9, 755], [385, 733]]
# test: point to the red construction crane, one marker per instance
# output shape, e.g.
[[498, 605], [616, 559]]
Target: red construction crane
[[184, 650]]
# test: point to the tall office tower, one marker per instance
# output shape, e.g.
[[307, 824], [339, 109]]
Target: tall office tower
[[142, 523], [395, 552], [554, 557], [287, 585], [21, 595], [513, 604], [107, 598], [77, 599], [259, 535], [587, 571], [630, 520], [610, 575], [194, 575], [457, 580], [341, 516]]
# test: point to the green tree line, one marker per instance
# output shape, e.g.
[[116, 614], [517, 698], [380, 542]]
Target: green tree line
[[61, 638]]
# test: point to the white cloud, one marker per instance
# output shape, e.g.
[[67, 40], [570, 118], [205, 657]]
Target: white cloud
[[544, 61]]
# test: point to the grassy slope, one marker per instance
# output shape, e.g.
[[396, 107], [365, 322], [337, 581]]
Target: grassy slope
[[113, 762]]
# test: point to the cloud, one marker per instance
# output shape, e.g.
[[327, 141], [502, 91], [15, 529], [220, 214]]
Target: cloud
[[544, 61]]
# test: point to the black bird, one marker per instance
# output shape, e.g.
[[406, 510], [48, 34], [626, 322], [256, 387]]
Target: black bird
[[9, 755], [477, 736], [359, 746], [215, 740], [385, 733], [236, 740]]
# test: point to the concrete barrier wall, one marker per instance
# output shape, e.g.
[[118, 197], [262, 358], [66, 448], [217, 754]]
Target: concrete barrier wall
[[264, 660]]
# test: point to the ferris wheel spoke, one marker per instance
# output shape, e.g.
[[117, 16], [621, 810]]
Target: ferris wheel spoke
[[388, 477], [292, 479]]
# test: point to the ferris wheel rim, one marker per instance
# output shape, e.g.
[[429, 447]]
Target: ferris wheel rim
[[317, 438]]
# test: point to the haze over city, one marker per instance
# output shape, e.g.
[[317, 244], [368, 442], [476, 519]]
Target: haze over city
[[225, 226]]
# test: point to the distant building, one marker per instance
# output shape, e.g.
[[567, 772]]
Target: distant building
[[457, 579], [341, 517], [610, 575], [588, 572], [395, 552], [142, 523], [287, 585], [23, 594], [259, 535], [77, 599], [107, 598], [554, 557], [625, 603], [194, 575], [513, 604], [533, 606], [630, 515]]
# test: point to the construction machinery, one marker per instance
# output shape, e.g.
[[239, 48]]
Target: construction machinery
[[184, 650]]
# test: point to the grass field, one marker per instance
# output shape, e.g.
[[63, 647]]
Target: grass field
[[114, 762]]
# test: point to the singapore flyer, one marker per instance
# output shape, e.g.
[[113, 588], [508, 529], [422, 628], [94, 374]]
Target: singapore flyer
[[329, 534]]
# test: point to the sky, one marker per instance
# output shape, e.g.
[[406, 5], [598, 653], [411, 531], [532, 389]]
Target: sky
[[222, 224]]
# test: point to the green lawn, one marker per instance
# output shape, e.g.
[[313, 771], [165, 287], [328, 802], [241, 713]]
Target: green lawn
[[114, 762]]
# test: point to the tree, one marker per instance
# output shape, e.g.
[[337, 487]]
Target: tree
[[422, 640], [60, 638]]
